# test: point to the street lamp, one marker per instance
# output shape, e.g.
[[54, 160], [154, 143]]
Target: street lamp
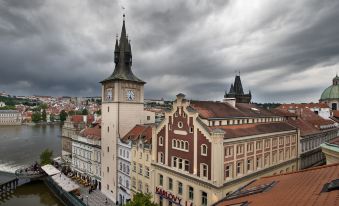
[[87, 199]]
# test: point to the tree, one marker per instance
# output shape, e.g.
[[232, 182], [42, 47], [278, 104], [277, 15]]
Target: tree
[[140, 199], [51, 118], [63, 115], [84, 112], [36, 117], [43, 106], [98, 112], [46, 157], [44, 115]]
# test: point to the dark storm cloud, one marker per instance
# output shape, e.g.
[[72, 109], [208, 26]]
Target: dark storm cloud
[[285, 50]]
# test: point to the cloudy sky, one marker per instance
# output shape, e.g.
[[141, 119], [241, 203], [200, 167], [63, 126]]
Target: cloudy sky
[[287, 51]]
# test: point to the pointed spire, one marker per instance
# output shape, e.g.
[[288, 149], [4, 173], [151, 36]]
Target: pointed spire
[[123, 59]]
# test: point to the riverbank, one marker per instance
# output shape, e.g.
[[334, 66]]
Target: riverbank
[[21, 146]]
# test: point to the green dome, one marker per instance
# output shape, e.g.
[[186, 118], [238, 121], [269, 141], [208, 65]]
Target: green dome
[[331, 92]]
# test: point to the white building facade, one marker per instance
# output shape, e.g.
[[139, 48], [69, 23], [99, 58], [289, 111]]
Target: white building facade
[[86, 153], [124, 177], [10, 117]]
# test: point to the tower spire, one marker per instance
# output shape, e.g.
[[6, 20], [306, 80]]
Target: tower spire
[[123, 58]]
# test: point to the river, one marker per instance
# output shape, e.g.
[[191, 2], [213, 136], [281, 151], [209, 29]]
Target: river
[[20, 146]]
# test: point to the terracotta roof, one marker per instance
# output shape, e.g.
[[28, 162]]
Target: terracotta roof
[[303, 105], [92, 133], [283, 113], [305, 127], [140, 131], [335, 113], [210, 109], [298, 188], [243, 130], [77, 118]]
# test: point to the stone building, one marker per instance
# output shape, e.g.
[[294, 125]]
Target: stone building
[[314, 130], [86, 154], [204, 150], [10, 117], [331, 151], [330, 95], [236, 91], [72, 126]]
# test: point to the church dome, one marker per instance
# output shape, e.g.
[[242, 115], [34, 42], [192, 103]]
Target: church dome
[[331, 92]]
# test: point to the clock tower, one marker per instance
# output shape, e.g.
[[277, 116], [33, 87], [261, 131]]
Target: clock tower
[[122, 108]]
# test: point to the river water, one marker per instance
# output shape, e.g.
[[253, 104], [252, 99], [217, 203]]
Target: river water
[[20, 146]]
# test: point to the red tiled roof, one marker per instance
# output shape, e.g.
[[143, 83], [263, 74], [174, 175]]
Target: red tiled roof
[[243, 130], [305, 127], [298, 188], [335, 113], [140, 131], [77, 118], [283, 113], [210, 109], [303, 106], [93, 133]]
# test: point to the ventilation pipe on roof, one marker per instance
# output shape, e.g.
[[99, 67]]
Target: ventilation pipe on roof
[[85, 118], [229, 101]]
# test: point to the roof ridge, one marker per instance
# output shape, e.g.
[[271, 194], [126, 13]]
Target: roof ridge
[[304, 170]]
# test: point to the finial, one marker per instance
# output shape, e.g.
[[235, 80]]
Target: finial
[[123, 9]]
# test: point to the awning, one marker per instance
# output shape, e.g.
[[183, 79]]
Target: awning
[[65, 182], [50, 170]]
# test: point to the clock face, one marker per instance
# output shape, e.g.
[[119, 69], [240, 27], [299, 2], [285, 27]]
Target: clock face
[[109, 94], [130, 95]]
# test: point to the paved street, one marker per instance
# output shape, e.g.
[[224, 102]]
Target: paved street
[[96, 198]]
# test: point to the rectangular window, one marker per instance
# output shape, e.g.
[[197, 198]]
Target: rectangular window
[[170, 183], [203, 198], [147, 172], [249, 165], [161, 180], [204, 169], [140, 169], [187, 165], [180, 163], [239, 168], [228, 171], [267, 143], [179, 188], [190, 193], [229, 151], [258, 146]]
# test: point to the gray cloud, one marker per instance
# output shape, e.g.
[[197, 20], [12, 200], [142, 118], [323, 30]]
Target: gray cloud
[[286, 50]]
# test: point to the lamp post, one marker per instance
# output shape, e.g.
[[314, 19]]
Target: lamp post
[[87, 199]]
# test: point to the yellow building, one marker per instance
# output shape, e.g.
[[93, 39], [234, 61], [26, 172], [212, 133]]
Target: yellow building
[[141, 151]]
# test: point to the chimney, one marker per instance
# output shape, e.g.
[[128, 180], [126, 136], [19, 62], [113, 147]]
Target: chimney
[[85, 118], [229, 101]]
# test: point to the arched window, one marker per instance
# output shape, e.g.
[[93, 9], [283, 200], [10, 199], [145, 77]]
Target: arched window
[[182, 144], [174, 143], [180, 124], [186, 145], [334, 106], [161, 157], [161, 141], [204, 149]]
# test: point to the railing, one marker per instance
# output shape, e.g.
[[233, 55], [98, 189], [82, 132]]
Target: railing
[[8, 187], [66, 197]]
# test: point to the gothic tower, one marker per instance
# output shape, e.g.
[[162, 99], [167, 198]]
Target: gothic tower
[[122, 108], [237, 92]]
